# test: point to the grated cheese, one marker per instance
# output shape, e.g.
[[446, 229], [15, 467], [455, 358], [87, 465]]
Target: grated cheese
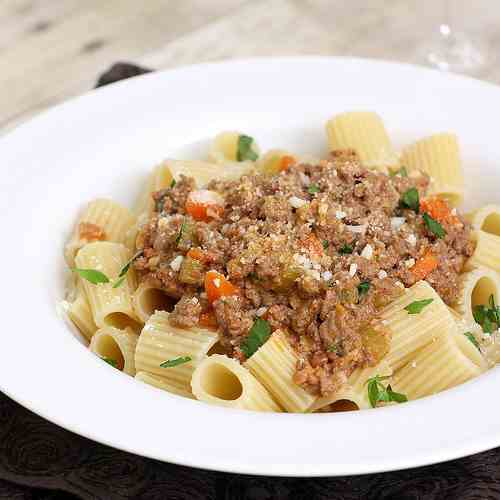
[[397, 222], [339, 214], [353, 268], [412, 239], [176, 263], [409, 263], [261, 311], [367, 252], [358, 229], [381, 274], [296, 202]]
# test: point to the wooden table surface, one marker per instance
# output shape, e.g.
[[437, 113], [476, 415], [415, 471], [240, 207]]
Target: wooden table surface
[[51, 50]]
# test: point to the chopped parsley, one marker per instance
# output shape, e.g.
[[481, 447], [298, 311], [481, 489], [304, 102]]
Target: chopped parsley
[[123, 273], [173, 183], [170, 363], [411, 200], [110, 361], [346, 249], [487, 317], [471, 337], [434, 226], [417, 306], [401, 172], [326, 244], [259, 333], [377, 392], [333, 348], [92, 275], [313, 188], [181, 230], [363, 287], [245, 151]]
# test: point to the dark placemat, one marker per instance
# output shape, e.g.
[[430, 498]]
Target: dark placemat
[[41, 461]]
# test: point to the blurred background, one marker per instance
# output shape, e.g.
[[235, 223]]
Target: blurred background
[[54, 49]]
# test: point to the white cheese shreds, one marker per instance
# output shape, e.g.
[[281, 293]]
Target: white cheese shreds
[[398, 283], [339, 214], [367, 252], [261, 311], [353, 269], [216, 282], [176, 263], [327, 276], [409, 263], [397, 222], [296, 202], [358, 229], [381, 274], [304, 179], [412, 239]]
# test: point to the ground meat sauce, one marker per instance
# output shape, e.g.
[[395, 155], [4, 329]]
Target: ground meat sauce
[[316, 251]]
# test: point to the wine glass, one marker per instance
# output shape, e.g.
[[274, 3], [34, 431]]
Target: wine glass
[[453, 49]]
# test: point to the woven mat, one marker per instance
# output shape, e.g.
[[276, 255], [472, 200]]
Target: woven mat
[[40, 461]]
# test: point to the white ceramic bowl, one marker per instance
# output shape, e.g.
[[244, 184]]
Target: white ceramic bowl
[[103, 143]]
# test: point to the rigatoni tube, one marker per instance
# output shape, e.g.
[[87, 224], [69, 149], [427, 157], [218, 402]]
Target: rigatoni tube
[[274, 365], [222, 381]]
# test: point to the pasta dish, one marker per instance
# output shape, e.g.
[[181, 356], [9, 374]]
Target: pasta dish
[[277, 282]]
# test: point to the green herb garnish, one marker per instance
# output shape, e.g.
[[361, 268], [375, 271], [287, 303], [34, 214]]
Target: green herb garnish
[[434, 226], [332, 348], [363, 287], [471, 337], [170, 363], [487, 317], [377, 392], [245, 151], [173, 183], [402, 172], [181, 230], [313, 188], [259, 333], [411, 200], [122, 276], [92, 275], [110, 361], [346, 249], [417, 306], [326, 244]]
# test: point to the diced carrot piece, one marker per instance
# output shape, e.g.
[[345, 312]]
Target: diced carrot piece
[[217, 286], [285, 162], [197, 254], [313, 246], [204, 205], [425, 265], [208, 320], [438, 209]]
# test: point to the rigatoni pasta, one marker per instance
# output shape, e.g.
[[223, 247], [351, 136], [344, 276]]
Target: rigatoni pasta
[[102, 220], [364, 132], [222, 381], [165, 384], [115, 346], [412, 332], [439, 157], [110, 306], [291, 283], [161, 342], [274, 365]]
